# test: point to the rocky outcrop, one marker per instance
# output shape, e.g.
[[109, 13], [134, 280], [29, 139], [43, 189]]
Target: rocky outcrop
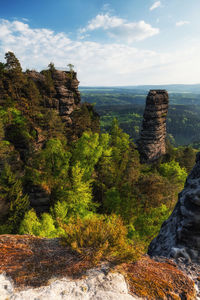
[[64, 96], [95, 285], [151, 144], [180, 234], [40, 268], [67, 94]]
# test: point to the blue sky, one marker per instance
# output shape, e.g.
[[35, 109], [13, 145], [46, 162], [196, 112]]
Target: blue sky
[[114, 42]]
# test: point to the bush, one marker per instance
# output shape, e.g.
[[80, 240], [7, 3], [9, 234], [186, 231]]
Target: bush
[[173, 172], [100, 237], [43, 227]]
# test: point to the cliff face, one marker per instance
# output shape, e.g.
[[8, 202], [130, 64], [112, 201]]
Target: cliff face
[[65, 96], [59, 90], [151, 144], [180, 234]]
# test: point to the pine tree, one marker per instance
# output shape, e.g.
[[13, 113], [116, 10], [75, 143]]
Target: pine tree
[[12, 63], [11, 192]]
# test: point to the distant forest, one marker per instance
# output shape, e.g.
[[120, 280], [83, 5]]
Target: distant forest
[[127, 105]]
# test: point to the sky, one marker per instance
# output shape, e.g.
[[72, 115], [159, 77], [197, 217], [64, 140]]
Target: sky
[[110, 43]]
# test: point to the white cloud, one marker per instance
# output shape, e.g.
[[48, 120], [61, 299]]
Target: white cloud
[[104, 21], [155, 5], [181, 23], [98, 63], [120, 29]]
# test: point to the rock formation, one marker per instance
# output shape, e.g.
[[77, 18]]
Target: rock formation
[[180, 234], [38, 268], [65, 96], [96, 285], [151, 144]]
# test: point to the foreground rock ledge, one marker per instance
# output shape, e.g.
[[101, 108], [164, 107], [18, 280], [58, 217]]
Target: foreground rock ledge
[[40, 268]]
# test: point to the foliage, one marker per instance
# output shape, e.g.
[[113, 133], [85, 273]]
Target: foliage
[[49, 166], [88, 150], [120, 163], [74, 198], [143, 218], [12, 63], [147, 223], [60, 211], [11, 193], [71, 67], [173, 172], [79, 196], [43, 227], [100, 237]]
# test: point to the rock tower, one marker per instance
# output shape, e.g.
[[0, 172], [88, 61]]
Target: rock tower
[[65, 96], [152, 142], [180, 234]]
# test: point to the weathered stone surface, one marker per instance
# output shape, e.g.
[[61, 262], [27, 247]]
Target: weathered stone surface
[[151, 144], [35, 76], [95, 285], [65, 98], [67, 94], [39, 268], [180, 234]]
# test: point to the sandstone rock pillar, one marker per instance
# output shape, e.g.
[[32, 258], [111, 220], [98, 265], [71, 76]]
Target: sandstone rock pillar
[[152, 142]]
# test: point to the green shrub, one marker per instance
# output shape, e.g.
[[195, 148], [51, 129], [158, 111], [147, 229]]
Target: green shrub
[[30, 224], [147, 223], [173, 172], [100, 237], [43, 227]]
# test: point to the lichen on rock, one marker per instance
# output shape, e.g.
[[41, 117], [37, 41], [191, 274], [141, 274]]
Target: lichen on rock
[[41, 268]]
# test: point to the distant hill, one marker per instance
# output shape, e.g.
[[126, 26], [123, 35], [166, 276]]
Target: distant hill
[[171, 88]]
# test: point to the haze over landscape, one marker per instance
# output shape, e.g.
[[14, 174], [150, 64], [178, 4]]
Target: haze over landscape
[[111, 43]]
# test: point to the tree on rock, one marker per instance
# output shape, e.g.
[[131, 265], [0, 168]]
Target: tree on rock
[[71, 67]]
